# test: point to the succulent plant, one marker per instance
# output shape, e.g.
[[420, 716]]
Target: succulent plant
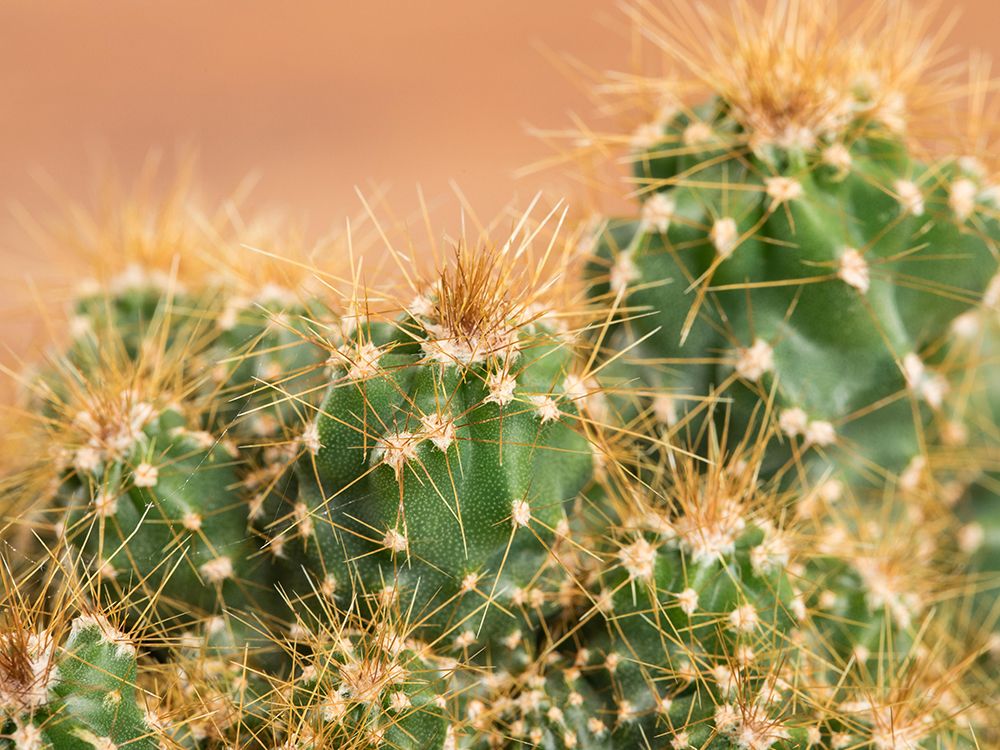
[[365, 689], [728, 482], [77, 692], [439, 466], [147, 501], [797, 251]]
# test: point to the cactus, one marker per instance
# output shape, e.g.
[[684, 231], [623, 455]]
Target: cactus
[[149, 502], [364, 690], [76, 694], [164, 265], [437, 467], [433, 479], [549, 705], [694, 608], [213, 688], [731, 611], [264, 367], [731, 500], [795, 240]]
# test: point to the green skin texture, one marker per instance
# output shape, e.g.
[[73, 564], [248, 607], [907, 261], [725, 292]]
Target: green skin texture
[[248, 352], [499, 455], [94, 693], [982, 505], [421, 726], [837, 352], [145, 539], [653, 637]]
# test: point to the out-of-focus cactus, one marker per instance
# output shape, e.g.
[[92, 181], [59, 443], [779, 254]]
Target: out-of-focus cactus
[[967, 464], [149, 503], [796, 247], [549, 705], [361, 690]]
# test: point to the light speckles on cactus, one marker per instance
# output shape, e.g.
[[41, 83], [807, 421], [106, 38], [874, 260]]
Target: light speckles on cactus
[[725, 236], [808, 236], [449, 442], [76, 694], [853, 269]]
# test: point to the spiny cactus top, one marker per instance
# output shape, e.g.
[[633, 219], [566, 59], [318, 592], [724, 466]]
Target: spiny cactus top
[[794, 236], [79, 694], [439, 466]]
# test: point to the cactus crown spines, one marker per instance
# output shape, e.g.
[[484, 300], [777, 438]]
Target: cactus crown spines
[[479, 297], [793, 76], [437, 419], [26, 668], [163, 234], [68, 680]]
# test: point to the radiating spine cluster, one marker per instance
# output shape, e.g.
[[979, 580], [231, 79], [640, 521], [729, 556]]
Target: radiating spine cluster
[[79, 692]]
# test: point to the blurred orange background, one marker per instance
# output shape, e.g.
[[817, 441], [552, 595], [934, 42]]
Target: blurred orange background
[[316, 97]]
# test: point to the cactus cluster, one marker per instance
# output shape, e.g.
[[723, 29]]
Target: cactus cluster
[[722, 475]]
